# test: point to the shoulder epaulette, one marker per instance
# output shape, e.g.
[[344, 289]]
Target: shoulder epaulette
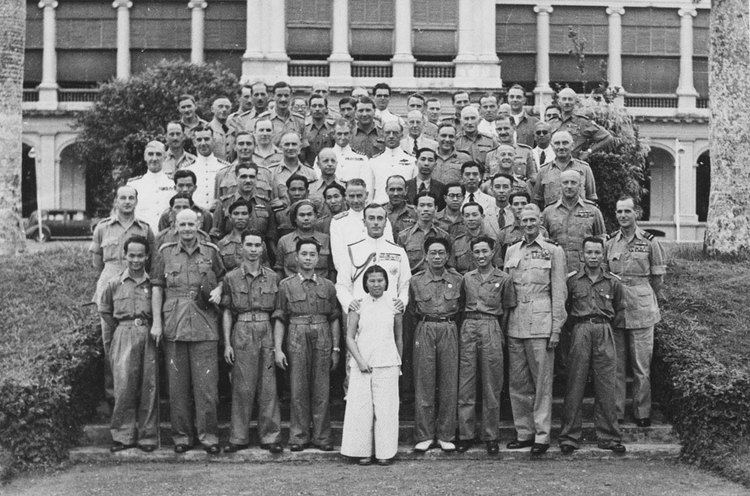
[[453, 271], [104, 220], [135, 178], [613, 234], [296, 114], [209, 244], [226, 197], [264, 114], [588, 202], [571, 274], [523, 145], [615, 276], [223, 162], [356, 242], [649, 236], [165, 245], [392, 243], [341, 215]]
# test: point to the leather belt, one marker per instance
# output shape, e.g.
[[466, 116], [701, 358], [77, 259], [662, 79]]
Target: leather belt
[[253, 317], [438, 318], [479, 316], [138, 322], [591, 319], [308, 319]]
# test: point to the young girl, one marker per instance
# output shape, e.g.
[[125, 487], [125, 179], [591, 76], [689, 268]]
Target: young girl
[[373, 336]]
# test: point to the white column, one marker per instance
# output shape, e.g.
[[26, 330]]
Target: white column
[[123, 37], [275, 60], [542, 91], [340, 62], [197, 28], [476, 62], [614, 62], [686, 93], [403, 60], [48, 87], [253, 56]]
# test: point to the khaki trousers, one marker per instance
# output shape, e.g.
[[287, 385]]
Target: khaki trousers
[[638, 346], [530, 380], [133, 361]]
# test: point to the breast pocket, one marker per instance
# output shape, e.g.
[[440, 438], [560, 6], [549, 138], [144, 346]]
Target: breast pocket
[[240, 296], [322, 304], [172, 274], [110, 249], [123, 304]]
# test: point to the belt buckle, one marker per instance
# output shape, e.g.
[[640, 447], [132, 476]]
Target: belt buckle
[[139, 322]]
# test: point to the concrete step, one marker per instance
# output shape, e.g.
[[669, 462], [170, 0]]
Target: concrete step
[[95, 454], [99, 435]]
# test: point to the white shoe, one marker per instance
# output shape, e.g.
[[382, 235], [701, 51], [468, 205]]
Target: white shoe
[[447, 445], [423, 446]]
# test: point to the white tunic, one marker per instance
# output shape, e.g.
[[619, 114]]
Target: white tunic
[[155, 189], [346, 228], [361, 255], [392, 162], [375, 338], [205, 169], [349, 165]]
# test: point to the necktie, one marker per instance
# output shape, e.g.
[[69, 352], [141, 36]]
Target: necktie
[[471, 198], [422, 188], [416, 147], [542, 158]]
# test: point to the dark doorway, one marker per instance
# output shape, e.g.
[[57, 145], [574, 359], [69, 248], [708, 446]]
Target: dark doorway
[[702, 186], [28, 181]]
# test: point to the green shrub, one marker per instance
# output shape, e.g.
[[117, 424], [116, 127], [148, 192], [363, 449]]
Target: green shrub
[[50, 372]]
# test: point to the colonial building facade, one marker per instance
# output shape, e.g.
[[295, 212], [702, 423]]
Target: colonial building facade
[[656, 50]]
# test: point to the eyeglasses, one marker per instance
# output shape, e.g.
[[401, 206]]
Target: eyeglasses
[[541, 132], [454, 195]]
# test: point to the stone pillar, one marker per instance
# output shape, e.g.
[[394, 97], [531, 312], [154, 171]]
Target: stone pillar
[[476, 62], [275, 60], [252, 59], [686, 93], [123, 37], [403, 60], [197, 36], [340, 62], [48, 87], [542, 91], [614, 62]]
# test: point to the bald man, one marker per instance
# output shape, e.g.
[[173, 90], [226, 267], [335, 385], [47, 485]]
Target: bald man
[[470, 140], [548, 187], [588, 136], [224, 134], [154, 188]]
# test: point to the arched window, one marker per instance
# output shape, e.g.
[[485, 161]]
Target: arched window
[[702, 186], [72, 179], [659, 201]]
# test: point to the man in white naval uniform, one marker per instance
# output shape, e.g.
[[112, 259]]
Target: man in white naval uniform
[[393, 161], [154, 188], [350, 164], [349, 225], [205, 167]]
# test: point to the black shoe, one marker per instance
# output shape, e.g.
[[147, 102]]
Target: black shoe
[[147, 448], [118, 446], [520, 444], [182, 448], [493, 448], [272, 447], [539, 449], [384, 462], [299, 447], [643, 422], [233, 448], [613, 446], [567, 449], [363, 462], [325, 447], [463, 446], [212, 449]]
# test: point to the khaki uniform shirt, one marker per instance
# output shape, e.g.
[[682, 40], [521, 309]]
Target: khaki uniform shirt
[[493, 295], [412, 240], [477, 147], [600, 298], [635, 261], [369, 143], [464, 257], [169, 235], [224, 138], [448, 169], [298, 296], [436, 295], [244, 292], [453, 227], [127, 298], [524, 166], [280, 173], [187, 276], [525, 128], [538, 273], [230, 250], [226, 182], [172, 164], [286, 254], [404, 218], [318, 136], [569, 227], [261, 222], [241, 120], [585, 132], [268, 161], [292, 123], [548, 188]]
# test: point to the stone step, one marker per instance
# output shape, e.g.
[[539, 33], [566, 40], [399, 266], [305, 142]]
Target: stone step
[[99, 435], [95, 454]]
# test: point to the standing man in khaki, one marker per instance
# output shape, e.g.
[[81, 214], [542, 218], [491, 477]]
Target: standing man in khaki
[[185, 289], [638, 260], [537, 268]]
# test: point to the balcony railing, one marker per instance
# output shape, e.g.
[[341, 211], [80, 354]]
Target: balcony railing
[[651, 101], [30, 95], [77, 94], [308, 68], [372, 69], [434, 70], [701, 103]]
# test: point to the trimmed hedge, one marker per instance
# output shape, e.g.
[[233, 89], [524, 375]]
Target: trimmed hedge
[[50, 355], [706, 398]]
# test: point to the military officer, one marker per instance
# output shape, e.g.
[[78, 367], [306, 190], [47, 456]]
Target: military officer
[[412, 238], [230, 246], [547, 189], [524, 165], [449, 159], [282, 118], [637, 258], [185, 182], [302, 215], [588, 136], [250, 95], [154, 188], [226, 180], [223, 133], [319, 128], [523, 123], [594, 296], [537, 268], [435, 298], [248, 299], [333, 195], [125, 308], [185, 285], [400, 214], [180, 201], [489, 296], [470, 140], [393, 161], [450, 218], [513, 233], [571, 219], [307, 312], [176, 157], [367, 136], [205, 167]]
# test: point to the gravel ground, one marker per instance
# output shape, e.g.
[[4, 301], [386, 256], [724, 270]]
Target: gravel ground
[[626, 477]]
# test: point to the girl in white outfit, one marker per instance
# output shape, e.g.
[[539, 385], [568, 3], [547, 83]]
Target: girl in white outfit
[[373, 336]]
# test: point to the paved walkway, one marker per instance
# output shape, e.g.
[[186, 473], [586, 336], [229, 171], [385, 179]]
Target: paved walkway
[[579, 477]]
